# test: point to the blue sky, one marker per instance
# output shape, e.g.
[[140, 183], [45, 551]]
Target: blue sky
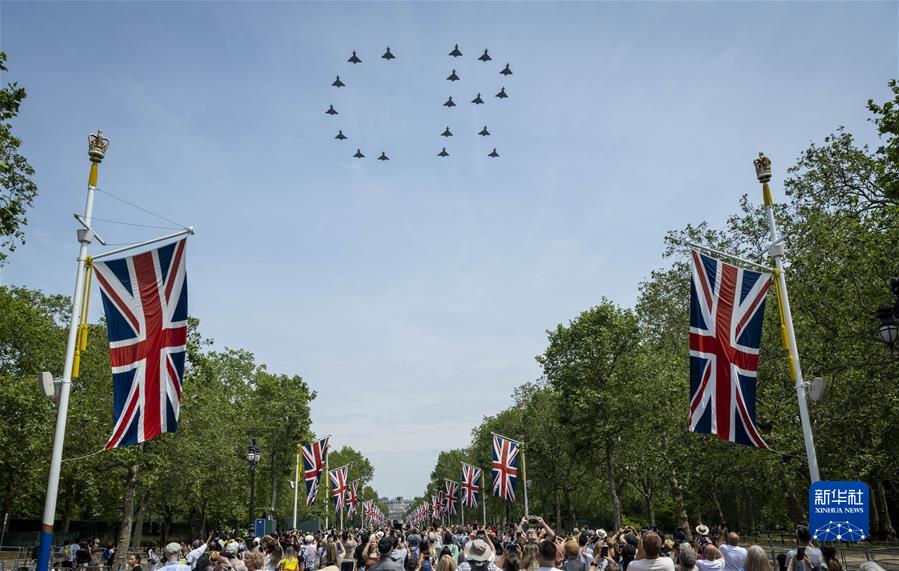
[[414, 294]]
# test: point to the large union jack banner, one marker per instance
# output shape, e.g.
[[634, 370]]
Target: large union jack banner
[[471, 483], [315, 455], [145, 301], [505, 467], [339, 485], [727, 306]]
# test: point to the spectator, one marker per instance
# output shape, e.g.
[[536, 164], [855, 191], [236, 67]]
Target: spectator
[[546, 555], [172, 554], [152, 557], [424, 562], [734, 555], [648, 558], [385, 562], [330, 558], [83, 555], [230, 553], [479, 555], [712, 560], [529, 561], [756, 559], [309, 551], [446, 562], [511, 557], [812, 557], [289, 562], [253, 560], [830, 558], [686, 558], [572, 560], [134, 562]]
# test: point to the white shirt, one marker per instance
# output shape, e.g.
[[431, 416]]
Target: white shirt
[[734, 557], [710, 565], [657, 564]]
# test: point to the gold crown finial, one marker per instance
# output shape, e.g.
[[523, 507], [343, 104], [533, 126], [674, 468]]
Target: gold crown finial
[[763, 168], [97, 145]]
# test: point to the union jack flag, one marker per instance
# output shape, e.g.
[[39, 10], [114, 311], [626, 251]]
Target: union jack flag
[[505, 467], [339, 485], [450, 499], [435, 507], [727, 306], [314, 458], [145, 301], [352, 496], [471, 478]]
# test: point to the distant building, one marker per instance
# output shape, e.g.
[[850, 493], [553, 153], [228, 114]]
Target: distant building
[[396, 507]]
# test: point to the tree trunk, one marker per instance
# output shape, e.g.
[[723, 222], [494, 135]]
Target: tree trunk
[[69, 488], [572, 515], [677, 493], [167, 517], [124, 539], [138, 534], [613, 488], [203, 517], [557, 510], [885, 528]]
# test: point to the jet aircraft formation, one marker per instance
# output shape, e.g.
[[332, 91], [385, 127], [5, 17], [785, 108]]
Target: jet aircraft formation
[[449, 104]]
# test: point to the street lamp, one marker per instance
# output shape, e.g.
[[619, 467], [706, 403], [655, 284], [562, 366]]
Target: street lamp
[[889, 330], [253, 457]]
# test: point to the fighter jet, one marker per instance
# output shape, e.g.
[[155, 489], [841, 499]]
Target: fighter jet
[[484, 132], [446, 133], [449, 102], [456, 52], [477, 100], [331, 110], [453, 76], [443, 153], [506, 70], [359, 154], [494, 154], [485, 56], [354, 59], [338, 83], [388, 55], [340, 136], [383, 157], [502, 93]]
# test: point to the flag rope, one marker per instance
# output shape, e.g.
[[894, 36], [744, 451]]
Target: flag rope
[[783, 324], [81, 342]]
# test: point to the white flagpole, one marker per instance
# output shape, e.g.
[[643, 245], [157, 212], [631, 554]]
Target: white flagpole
[[97, 146], [524, 473], [296, 489], [484, 496], [327, 493], [776, 251]]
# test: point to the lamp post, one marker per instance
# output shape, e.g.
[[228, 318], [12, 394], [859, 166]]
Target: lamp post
[[253, 457], [888, 315]]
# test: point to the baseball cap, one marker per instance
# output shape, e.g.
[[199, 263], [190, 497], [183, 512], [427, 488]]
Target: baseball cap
[[172, 548]]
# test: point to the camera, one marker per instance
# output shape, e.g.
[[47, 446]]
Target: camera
[[533, 520]]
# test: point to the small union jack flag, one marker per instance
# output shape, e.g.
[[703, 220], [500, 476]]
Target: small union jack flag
[[314, 458], [471, 478], [339, 485], [450, 499], [727, 306], [505, 467], [352, 496], [145, 301]]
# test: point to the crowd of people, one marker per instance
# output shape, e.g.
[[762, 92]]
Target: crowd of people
[[530, 545]]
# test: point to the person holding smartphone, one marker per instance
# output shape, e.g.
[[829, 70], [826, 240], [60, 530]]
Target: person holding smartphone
[[805, 553]]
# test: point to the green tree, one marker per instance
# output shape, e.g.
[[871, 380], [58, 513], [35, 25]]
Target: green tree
[[17, 190]]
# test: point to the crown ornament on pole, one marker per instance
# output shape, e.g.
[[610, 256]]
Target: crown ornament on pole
[[763, 168], [97, 145]]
